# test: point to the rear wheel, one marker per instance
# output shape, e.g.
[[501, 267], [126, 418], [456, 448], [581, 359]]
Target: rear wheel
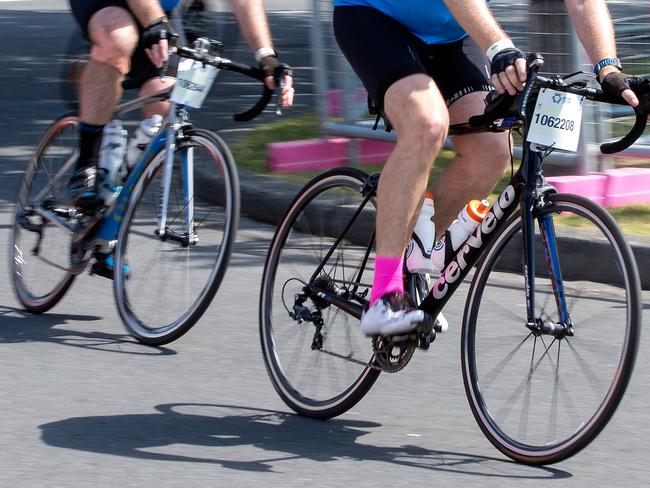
[[541, 392], [40, 250], [318, 360]]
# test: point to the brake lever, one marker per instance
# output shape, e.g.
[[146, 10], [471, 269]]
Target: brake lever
[[278, 100], [171, 46], [163, 71]]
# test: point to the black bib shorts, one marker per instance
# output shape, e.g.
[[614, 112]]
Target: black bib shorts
[[142, 70], [383, 51]]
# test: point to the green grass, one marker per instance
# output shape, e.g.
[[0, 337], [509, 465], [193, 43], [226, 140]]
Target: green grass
[[634, 219], [250, 153]]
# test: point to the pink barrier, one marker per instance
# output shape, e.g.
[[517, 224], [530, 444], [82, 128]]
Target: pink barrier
[[309, 155], [622, 186], [335, 101], [374, 152], [627, 186], [589, 186], [616, 187], [319, 154]]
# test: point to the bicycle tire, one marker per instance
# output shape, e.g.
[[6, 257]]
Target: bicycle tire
[[181, 298], [556, 400], [302, 238], [50, 258]]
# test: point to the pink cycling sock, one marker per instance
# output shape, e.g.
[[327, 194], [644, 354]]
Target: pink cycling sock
[[388, 277]]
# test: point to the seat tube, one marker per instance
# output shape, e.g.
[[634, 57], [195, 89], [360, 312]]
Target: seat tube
[[170, 147]]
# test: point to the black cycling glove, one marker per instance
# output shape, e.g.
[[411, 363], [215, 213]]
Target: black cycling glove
[[156, 32], [271, 66], [617, 82], [504, 58]]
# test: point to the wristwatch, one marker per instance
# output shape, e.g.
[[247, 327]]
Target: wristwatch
[[607, 62]]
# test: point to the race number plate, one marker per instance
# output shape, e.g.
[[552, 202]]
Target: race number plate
[[193, 82], [557, 120]]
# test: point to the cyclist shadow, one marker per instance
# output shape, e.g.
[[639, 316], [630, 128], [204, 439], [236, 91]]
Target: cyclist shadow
[[221, 428], [17, 326]]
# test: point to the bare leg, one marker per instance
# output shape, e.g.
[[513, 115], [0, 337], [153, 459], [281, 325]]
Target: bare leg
[[114, 35], [100, 90], [150, 87], [418, 113], [479, 164]]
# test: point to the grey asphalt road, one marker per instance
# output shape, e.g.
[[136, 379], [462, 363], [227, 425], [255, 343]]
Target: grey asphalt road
[[84, 405]]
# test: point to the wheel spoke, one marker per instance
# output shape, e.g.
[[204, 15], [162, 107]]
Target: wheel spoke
[[183, 275], [334, 377], [544, 399]]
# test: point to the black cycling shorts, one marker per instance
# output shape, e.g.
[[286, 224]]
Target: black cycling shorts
[[142, 70], [383, 51]]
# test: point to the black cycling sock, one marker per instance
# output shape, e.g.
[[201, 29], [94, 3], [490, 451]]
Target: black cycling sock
[[90, 139]]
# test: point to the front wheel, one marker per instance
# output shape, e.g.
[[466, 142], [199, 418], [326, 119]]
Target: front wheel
[[319, 361], [163, 284], [541, 392]]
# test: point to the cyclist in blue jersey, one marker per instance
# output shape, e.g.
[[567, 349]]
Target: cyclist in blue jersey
[[129, 39], [424, 71]]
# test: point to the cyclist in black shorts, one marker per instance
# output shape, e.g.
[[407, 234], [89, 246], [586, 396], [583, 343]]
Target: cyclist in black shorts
[[129, 39], [424, 72]]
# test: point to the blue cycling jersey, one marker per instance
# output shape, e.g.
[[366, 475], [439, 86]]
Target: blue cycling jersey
[[167, 5], [430, 20]]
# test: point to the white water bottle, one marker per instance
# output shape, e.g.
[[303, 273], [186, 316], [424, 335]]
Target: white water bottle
[[111, 153], [460, 229], [143, 135], [418, 250]]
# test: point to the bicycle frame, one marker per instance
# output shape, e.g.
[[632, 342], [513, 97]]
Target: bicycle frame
[[525, 191], [165, 138]]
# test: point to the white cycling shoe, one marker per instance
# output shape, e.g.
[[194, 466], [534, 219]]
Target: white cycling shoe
[[390, 315]]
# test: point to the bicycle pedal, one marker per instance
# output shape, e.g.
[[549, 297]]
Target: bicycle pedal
[[426, 332], [105, 267], [101, 269]]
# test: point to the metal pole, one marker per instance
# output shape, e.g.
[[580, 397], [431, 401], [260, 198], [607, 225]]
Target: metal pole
[[319, 61]]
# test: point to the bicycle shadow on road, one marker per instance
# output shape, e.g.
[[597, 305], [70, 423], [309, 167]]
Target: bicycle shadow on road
[[19, 326], [269, 438]]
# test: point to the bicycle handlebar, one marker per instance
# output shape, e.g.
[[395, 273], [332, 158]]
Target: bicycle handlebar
[[505, 105], [244, 69]]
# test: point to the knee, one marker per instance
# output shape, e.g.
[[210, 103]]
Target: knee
[[114, 37], [425, 135]]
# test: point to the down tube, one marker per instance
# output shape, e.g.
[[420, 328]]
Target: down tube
[[111, 225], [468, 254]]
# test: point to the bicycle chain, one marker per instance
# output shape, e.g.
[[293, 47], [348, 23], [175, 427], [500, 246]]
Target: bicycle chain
[[357, 361], [351, 360]]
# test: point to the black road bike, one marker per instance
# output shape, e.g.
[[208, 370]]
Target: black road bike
[[551, 326]]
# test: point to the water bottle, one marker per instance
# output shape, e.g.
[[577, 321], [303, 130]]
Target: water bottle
[[111, 153], [418, 250], [143, 135], [460, 229]]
